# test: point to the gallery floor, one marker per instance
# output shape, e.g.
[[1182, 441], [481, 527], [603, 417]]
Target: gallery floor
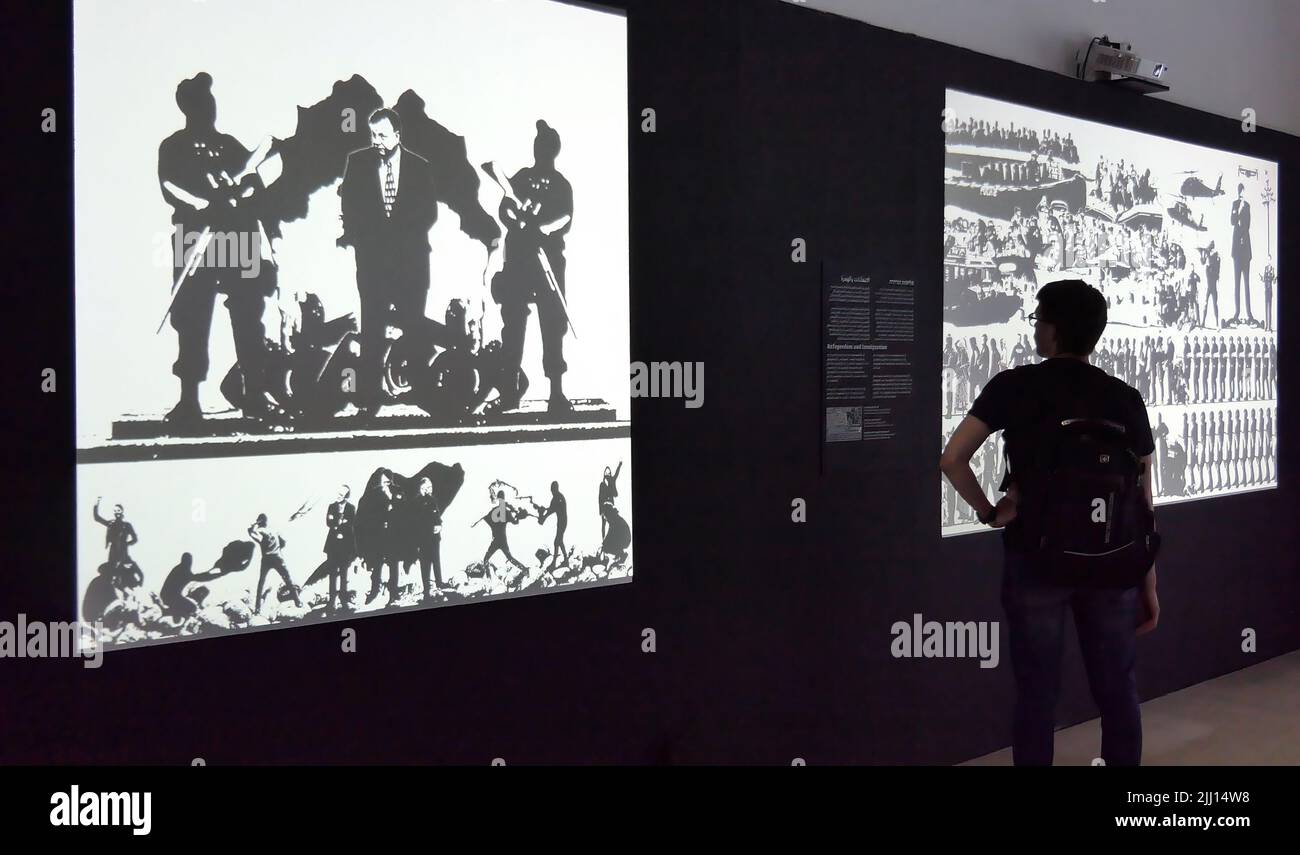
[[1246, 718]]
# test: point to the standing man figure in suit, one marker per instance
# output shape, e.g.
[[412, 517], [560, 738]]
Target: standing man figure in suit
[[1211, 286], [1241, 253], [388, 207], [340, 545], [428, 521]]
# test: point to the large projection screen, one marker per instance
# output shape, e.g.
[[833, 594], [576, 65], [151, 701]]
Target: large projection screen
[[1181, 239], [320, 347]]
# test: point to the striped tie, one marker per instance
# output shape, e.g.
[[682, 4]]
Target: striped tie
[[390, 187]]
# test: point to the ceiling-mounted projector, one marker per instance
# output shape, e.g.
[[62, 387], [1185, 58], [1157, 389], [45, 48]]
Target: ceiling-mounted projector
[[1104, 61]]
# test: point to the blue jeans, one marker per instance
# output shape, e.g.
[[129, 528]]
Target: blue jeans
[[1105, 621]]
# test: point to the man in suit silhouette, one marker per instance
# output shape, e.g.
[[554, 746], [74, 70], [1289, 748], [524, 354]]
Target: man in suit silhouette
[[427, 515], [340, 546], [1241, 253], [388, 207]]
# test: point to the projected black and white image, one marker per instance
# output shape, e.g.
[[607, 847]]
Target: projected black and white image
[[386, 249], [1181, 239], [308, 537]]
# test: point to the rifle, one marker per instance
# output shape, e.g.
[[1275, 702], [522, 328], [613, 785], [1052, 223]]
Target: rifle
[[255, 160]]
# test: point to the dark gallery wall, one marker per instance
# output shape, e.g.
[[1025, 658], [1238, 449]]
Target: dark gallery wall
[[773, 637]]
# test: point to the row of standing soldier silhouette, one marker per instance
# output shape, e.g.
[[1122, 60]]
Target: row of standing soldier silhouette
[[1218, 451], [1207, 369]]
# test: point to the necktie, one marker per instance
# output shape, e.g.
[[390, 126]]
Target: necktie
[[390, 188]]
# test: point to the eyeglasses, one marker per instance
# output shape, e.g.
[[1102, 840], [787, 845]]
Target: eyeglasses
[[1033, 317]]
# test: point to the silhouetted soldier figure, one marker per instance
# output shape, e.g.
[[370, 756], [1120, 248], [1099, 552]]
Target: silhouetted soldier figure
[[271, 544], [388, 207], [196, 166], [340, 546], [990, 463], [1272, 369], [1203, 454], [428, 534], [1222, 446], [1211, 358], [1192, 353], [1257, 368], [1234, 450], [607, 492], [1230, 367], [949, 374], [1237, 355], [540, 221], [498, 519], [1170, 372], [1241, 252], [1212, 367], [982, 363], [1161, 436], [1254, 447], [1269, 460], [559, 508], [1225, 369], [963, 376]]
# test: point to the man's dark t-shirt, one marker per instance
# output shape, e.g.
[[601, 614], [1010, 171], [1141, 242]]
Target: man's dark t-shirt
[[1015, 401]]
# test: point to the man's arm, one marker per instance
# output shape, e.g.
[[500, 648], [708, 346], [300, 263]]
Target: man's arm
[[348, 199], [955, 465], [555, 225], [131, 537], [98, 518], [1149, 601], [180, 194]]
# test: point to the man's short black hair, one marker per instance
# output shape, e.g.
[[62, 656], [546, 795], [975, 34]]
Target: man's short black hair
[[385, 113], [1077, 311]]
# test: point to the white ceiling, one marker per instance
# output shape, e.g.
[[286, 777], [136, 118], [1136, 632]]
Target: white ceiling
[[1223, 55]]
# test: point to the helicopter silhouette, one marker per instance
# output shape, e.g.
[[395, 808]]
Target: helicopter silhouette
[[1181, 213], [1194, 188]]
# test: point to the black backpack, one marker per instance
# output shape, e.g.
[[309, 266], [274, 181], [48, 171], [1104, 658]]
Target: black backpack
[[1082, 517]]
